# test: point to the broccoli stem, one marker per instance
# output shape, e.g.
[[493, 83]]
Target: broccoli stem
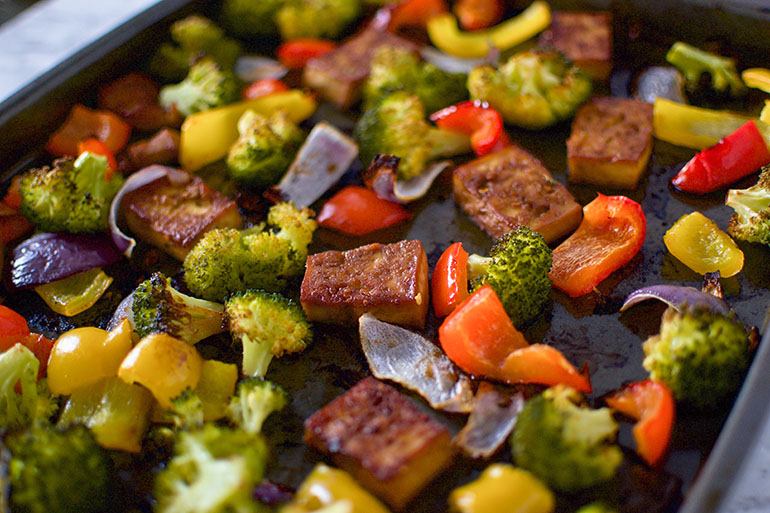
[[256, 358], [477, 266]]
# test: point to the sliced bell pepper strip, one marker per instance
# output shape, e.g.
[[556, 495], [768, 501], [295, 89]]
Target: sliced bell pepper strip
[[41, 347], [264, 87], [611, 233], [83, 123], [477, 119], [294, 54], [357, 211], [97, 147], [545, 365], [449, 283], [758, 78], [446, 36], [415, 13], [652, 405], [699, 244], [478, 14], [737, 155], [13, 328]]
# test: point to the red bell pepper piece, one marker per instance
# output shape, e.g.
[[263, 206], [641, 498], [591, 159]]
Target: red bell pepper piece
[[294, 54], [13, 194], [12, 224], [134, 97], [477, 119], [737, 155], [611, 233], [13, 328], [652, 405], [449, 283], [264, 87], [41, 347], [357, 211], [478, 14], [97, 147], [83, 123], [415, 13]]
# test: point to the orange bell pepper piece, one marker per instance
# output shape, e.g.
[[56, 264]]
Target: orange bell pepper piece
[[545, 365], [478, 14], [415, 13], [83, 123], [294, 54], [449, 283]]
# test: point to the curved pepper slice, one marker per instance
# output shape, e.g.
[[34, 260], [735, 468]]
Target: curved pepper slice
[[449, 283], [13, 328], [83, 123], [478, 14], [358, 211], [652, 405], [97, 147], [611, 233], [757, 78], [415, 13], [294, 54], [478, 120], [699, 244]]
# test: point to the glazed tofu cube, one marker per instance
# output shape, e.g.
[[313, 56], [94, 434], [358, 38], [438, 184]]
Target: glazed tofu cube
[[389, 281], [585, 38], [509, 188], [611, 142], [382, 439], [174, 215], [339, 75]]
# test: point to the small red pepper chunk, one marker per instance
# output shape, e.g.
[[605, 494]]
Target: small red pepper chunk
[[294, 54], [478, 14], [264, 87], [13, 194], [611, 233], [97, 147], [737, 155], [477, 119], [13, 328], [652, 405], [83, 123], [449, 283], [415, 13], [357, 211], [41, 347], [13, 224]]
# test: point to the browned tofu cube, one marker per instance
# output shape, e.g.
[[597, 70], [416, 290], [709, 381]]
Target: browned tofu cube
[[510, 188], [611, 142], [389, 281], [174, 215], [338, 75], [382, 439], [585, 38]]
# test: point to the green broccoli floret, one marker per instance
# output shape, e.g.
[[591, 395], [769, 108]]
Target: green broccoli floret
[[566, 445], [213, 469], [517, 269], [157, 307], [186, 411], [18, 365], [268, 325], [315, 18], [206, 86], [62, 470], [195, 37], [254, 401], [533, 89], [693, 62], [751, 220], [265, 148], [701, 355], [394, 69], [72, 196], [226, 260], [596, 507], [245, 18], [396, 126]]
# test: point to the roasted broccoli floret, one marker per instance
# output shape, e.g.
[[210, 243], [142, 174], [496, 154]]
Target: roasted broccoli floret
[[195, 37], [701, 355], [213, 469], [158, 307], [596, 507], [246, 18], [533, 89], [205, 87], [693, 62], [72, 196], [23, 399], [568, 446], [186, 411], [396, 125], [226, 260], [751, 220], [265, 148], [62, 470], [254, 401], [517, 269], [315, 18], [395, 69], [268, 325]]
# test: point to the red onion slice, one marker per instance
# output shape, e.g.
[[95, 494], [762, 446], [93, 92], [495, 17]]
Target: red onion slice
[[251, 68], [452, 64], [417, 187], [676, 296]]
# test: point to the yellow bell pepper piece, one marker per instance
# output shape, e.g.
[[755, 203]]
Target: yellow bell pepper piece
[[329, 489], [764, 116], [216, 386], [699, 244], [446, 35], [207, 136], [758, 78], [75, 294], [502, 488]]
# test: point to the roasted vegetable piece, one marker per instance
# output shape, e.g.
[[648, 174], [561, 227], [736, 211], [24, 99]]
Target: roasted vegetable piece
[[502, 488], [206, 86], [158, 307], [482, 123], [186, 411], [751, 220], [449, 282], [61, 470], [699, 244], [533, 89], [315, 18], [134, 97], [13, 328], [246, 18], [414, 13], [396, 125], [478, 14], [567, 446], [83, 123], [72, 196], [357, 210], [517, 269], [700, 355], [267, 325], [216, 387], [693, 62], [225, 261], [18, 368], [325, 487], [264, 150], [296, 53], [254, 401], [97, 147], [75, 294]]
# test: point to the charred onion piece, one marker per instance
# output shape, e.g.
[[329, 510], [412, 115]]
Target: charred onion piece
[[676, 296]]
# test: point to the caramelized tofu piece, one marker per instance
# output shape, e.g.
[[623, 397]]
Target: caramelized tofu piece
[[585, 38], [611, 142], [174, 215], [338, 75], [509, 188], [389, 281], [382, 439]]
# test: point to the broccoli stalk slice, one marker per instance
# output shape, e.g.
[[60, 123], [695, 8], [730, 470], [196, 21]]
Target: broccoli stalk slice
[[257, 355], [477, 266], [255, 400], [693, 62], [446, 143]]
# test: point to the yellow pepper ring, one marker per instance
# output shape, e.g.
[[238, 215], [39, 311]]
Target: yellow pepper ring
[[758, 78]]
